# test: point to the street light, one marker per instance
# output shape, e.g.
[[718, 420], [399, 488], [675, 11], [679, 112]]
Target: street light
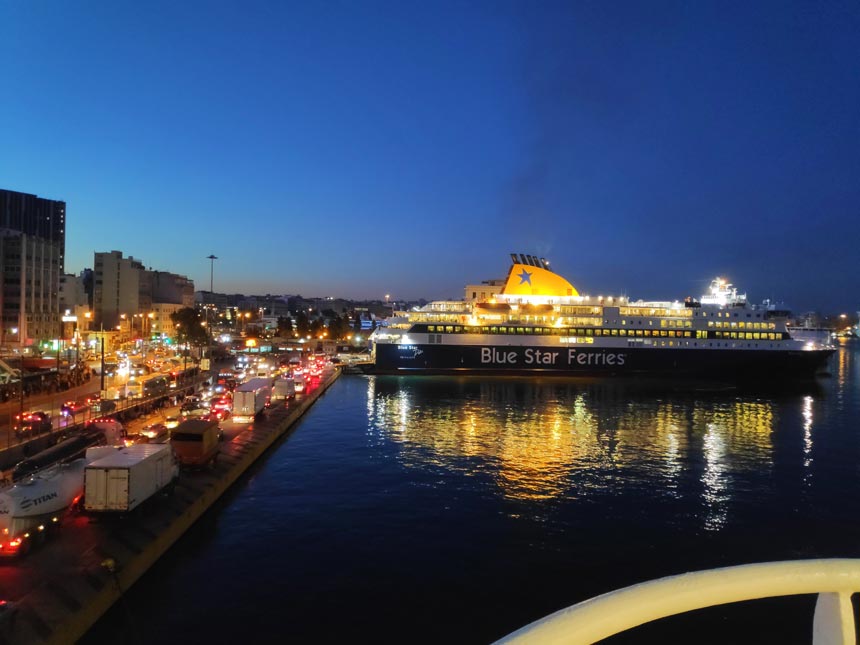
[[211, 258]]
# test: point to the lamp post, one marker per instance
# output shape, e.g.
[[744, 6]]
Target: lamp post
[[211, 258], [20, 373], [101, 391]]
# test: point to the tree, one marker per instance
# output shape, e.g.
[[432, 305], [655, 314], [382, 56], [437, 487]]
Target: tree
[[188, 328], [337, 327], [302, 324], [317, 327], [285, 326]]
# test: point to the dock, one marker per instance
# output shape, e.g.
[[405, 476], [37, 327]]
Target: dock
[[65, 585]]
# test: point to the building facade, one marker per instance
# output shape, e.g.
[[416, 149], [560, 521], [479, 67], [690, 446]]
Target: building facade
[[170, 288], [32, 258], [116, 288]]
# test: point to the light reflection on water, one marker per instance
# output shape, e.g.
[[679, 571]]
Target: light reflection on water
[[542, 439]]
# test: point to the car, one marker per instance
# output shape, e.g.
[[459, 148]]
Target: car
[[194, 411], [33, 423], [219, 413], [155, 433], [139, 369], [191, 401], [74, 408], [171, 422], [102, 406], [224, 401]]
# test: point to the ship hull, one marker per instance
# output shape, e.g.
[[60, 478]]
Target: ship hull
[[732, 364]]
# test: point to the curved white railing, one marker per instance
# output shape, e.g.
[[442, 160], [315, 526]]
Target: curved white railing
[[592, 620]]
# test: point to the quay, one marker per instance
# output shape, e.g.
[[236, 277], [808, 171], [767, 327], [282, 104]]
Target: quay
[[61, 588]]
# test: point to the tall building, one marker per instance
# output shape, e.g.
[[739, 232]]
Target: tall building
[[32, 252], [116, 288]]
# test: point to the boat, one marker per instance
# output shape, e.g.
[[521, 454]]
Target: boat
[[818, 335], [536, 322]]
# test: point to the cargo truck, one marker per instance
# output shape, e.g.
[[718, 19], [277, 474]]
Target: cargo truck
[[250, 399], [122, 480]]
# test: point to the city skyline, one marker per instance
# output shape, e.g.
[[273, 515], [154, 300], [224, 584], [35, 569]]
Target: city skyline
[[407, 149]]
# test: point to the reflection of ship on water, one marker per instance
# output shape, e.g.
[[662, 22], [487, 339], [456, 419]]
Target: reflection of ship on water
[[551, 439]]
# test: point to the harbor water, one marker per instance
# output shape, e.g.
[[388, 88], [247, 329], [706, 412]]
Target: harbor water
[[445, 509]]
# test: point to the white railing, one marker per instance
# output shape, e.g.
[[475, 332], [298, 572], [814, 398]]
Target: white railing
[[592, 620]]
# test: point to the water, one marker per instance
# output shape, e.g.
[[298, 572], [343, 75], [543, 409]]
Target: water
[[428, 510]]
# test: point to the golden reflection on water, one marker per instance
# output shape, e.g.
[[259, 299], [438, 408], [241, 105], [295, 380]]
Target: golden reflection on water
[[540, 441], [807, 433]]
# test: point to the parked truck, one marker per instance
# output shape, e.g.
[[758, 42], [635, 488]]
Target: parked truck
[[35, 506], [126, 477], [250, 399]]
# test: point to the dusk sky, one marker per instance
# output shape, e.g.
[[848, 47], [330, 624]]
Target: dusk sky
[[356, 149]]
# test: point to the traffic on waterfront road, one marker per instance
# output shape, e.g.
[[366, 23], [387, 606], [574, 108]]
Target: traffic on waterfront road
[[93, 523], [123, 383]]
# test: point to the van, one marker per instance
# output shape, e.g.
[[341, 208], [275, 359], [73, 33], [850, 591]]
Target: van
[[196, 442]]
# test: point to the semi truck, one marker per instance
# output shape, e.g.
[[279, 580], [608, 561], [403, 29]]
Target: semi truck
[[34, 507], [123, 479], [250, 399]]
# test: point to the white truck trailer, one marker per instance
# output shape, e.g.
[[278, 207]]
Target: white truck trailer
[[125, 478], [250, 399]]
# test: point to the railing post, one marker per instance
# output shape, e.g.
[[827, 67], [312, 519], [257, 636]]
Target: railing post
[[834, 620]]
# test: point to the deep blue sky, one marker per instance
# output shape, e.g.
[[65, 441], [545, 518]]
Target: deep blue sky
[[361, 148]]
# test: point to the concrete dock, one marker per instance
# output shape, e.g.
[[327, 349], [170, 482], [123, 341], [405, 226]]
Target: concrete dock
[[62, 587]]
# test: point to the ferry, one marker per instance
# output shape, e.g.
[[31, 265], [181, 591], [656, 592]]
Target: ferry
[[536, 322]]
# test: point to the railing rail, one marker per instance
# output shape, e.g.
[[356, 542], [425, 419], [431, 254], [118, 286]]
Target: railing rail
[[834, 580]]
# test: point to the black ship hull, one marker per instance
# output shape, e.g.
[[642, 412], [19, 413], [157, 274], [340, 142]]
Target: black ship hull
[[724, 364]]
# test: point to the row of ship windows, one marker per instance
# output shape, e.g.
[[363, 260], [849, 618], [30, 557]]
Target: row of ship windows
[[717, 324], [639, 333], [741, 325]]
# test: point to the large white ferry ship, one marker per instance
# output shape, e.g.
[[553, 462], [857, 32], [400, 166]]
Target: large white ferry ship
[[535, 321]]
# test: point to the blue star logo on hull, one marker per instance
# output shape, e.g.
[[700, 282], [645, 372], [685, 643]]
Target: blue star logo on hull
[[524, 277]]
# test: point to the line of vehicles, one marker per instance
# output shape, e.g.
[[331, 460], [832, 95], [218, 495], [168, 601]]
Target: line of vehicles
[[139, 387], [97, 472], [105, 470]]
